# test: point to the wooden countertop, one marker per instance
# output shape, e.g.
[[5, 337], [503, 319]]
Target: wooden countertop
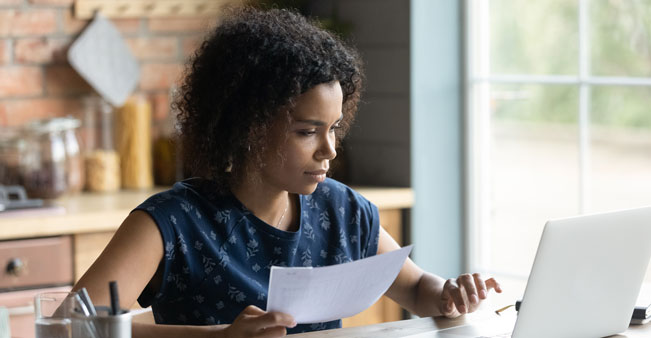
[[90, 212]]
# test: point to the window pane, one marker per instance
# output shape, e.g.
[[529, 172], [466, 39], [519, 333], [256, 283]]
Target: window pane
[[620, 37], [534, 37], [534, 168], [620, 175]]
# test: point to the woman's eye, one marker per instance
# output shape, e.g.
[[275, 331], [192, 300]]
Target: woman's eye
[[307, 132], [335, 127]]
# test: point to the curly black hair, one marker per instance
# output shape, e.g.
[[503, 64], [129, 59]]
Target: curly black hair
[[248, 72]]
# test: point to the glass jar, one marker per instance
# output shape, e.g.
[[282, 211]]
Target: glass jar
[[51, 162], [133, 142], [101, 159], [43, 164]]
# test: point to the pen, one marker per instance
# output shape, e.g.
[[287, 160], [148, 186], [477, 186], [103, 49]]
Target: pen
[[85, 298], [86, 312], [115, 298], [499, 311], [82, 305]]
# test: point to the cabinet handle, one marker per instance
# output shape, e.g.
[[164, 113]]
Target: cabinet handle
[[16, 267]]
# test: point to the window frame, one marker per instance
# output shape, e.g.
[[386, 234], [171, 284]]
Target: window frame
[[477, 121]]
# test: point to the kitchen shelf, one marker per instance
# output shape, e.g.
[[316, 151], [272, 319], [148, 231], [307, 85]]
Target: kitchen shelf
[[96, 212], [85, 9]]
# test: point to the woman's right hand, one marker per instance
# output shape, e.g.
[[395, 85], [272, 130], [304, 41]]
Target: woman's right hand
[[254, 322]]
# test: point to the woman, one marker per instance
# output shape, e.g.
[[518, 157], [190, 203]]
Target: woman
[[266, 99]]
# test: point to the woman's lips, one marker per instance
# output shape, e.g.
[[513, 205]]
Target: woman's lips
[[317, 175]]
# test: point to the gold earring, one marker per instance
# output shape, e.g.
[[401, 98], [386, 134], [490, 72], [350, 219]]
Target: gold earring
[[229, 166]]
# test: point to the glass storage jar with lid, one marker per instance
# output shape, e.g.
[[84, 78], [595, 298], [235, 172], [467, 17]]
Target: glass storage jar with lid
[[51, 162]]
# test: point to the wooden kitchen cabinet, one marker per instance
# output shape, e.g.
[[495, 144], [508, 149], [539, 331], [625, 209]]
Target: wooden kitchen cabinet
[[91, 220], [32, 263], [87, 249]]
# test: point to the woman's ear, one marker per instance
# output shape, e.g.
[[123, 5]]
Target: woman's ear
[[229, 166]]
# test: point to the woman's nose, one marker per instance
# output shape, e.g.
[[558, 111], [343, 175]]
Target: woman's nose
[[327, 150]]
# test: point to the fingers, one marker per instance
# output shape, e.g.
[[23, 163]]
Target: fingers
[[491, 283], [254, 322], [446, 306], [275, 319], [452, 291], [468, 283], [463, 294], [253, 310], [272, 332], [481, 286]]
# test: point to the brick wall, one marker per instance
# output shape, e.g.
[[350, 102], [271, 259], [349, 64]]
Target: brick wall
[[36, 81]]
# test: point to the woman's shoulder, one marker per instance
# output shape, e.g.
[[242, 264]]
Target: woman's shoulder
[[331, 187], [336, 207], [332, 191], [193, 191], [187, 208]]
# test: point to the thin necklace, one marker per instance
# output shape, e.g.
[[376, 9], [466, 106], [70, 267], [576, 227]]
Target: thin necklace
[[283, 215]]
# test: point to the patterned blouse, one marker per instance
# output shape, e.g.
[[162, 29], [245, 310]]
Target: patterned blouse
[[218, 255]]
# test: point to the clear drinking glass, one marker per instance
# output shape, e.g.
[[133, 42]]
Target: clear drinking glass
[[53, 312]]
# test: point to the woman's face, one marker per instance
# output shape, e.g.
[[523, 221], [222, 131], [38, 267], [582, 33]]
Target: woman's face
[[298, 161]]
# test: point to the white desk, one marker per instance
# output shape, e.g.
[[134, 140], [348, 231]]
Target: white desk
[[413, 326]]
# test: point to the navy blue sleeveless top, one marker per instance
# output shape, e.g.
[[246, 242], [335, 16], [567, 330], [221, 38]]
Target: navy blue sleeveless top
[[218, 255]]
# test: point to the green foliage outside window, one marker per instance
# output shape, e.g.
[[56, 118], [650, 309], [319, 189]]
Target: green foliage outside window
[[542, 38]]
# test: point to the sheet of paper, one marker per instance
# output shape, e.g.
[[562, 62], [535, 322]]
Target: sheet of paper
[[313, 295]]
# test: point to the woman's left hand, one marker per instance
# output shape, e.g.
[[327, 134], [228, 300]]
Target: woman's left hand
[[465, 293]]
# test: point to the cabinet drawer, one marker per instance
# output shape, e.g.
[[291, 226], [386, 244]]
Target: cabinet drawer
[[36, 262]]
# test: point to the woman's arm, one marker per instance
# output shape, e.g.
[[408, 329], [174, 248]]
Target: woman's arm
[[132, 257], [425, 294]]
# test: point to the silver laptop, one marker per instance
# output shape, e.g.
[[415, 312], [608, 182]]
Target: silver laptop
[[584, 281]]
